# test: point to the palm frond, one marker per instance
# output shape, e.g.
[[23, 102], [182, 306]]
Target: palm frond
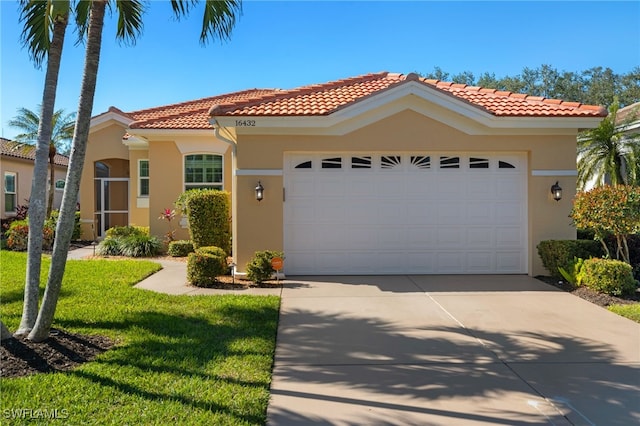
[[130, 23], [219, 18]]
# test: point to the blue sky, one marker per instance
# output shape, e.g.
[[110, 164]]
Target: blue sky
[[289, 44]]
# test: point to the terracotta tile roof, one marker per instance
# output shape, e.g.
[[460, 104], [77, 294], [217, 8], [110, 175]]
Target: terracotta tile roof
[[327, 98], [188, 115], [324, 99], [26, 152]]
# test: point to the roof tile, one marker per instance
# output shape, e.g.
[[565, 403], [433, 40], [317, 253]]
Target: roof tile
[[327, 98], [27, 152]]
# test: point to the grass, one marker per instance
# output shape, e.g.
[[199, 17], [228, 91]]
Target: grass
[[179, 359], [628, 311]]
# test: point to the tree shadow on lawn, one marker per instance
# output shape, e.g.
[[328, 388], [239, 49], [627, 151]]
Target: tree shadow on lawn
[[416, 371], [189, 347]]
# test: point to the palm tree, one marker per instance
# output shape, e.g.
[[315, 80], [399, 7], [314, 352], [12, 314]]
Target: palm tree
[[45, 25], [62, 133], [219, 19], [606, 155]]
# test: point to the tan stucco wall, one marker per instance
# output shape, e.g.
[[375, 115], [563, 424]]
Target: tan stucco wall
[[24, 174], [103, 144], [259, 225]]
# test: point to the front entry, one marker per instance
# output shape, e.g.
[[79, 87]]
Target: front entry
[[111, 199]]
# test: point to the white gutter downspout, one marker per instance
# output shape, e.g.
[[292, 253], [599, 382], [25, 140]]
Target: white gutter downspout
[[234, 203]]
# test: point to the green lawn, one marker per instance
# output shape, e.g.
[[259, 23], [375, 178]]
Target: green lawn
[[629, 311], [179, 359]]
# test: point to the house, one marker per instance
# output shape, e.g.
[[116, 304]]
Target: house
[[628, 119], [377, 174], [16, 166]]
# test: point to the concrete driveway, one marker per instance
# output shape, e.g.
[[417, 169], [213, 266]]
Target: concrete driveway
[[450, 350]]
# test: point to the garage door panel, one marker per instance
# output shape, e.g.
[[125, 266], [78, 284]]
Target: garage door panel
[[451, 212], [401, 215], [480, 237], [480, 262], [450, 262]]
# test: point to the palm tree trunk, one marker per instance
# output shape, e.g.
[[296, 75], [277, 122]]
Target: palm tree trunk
[[52, 178], [38, 186], [66, 221]]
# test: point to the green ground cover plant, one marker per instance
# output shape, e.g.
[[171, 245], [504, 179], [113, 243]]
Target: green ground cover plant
[[178, 359], [628, 311]]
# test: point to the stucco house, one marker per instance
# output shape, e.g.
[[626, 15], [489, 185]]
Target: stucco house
[[16, 166], [377, 174]]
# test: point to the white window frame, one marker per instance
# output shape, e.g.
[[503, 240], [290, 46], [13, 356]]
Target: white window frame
[[141, 178], [14, 192], [193, 185]]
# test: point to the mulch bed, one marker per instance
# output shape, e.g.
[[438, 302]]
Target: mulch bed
[[62, 351]]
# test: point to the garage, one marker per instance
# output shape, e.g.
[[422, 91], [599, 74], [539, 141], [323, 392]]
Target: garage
[[405, 213]]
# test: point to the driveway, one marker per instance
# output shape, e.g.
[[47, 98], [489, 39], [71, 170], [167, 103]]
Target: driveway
[[450, 350]]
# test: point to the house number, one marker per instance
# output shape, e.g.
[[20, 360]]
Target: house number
[[245, 123]]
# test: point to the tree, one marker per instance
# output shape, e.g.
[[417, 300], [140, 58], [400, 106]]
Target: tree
[[607, 155], [61, 135], [45, 24], [218, 21], [609, 210]]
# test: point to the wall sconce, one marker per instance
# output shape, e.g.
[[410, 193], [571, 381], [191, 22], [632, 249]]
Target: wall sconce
[[556, 190], [259, 192]]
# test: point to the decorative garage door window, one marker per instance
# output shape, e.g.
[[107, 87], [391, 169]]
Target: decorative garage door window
[[401, 162], [404, 212]]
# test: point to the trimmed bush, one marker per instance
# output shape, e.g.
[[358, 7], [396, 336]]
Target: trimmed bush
[[180, 248], [259, 268], [209, 219], [608, 276], [125, 231], [561, 253], [205, 265], [18, 235]]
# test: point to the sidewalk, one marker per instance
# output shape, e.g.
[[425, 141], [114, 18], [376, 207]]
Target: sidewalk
[[172, 279]]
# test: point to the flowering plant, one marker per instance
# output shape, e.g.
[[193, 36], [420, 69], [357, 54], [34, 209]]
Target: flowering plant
[[168, 215]]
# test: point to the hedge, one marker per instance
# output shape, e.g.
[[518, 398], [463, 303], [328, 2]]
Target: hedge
[[561, 253], [209, 219]]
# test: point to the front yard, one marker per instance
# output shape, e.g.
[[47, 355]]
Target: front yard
[[177, 359]]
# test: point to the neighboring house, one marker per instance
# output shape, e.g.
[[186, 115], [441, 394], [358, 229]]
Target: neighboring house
[[16, 166], [628, 119], [377, 174]]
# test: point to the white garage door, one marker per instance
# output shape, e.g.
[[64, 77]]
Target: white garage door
[[405, 213]]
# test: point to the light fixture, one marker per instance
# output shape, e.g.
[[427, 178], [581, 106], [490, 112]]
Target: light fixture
[[556, 190], [259, 192]]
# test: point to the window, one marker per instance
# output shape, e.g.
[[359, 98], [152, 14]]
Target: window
[[332, 163], [449, 162], [143, 178], [203, 171], [60, 184], [10, 196]]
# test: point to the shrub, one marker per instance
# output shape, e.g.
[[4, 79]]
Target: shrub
[[259, 268], [205, 265], [18, 236], [53, 220], [125, 231], [561, 253], [131, 241], [139, 246], [209, 219], [574, 273], [109, 247], [180, 248], [609, 276]]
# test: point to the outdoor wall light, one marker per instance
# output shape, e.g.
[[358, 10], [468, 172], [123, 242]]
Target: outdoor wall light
[[259, 192], [556, 190]]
